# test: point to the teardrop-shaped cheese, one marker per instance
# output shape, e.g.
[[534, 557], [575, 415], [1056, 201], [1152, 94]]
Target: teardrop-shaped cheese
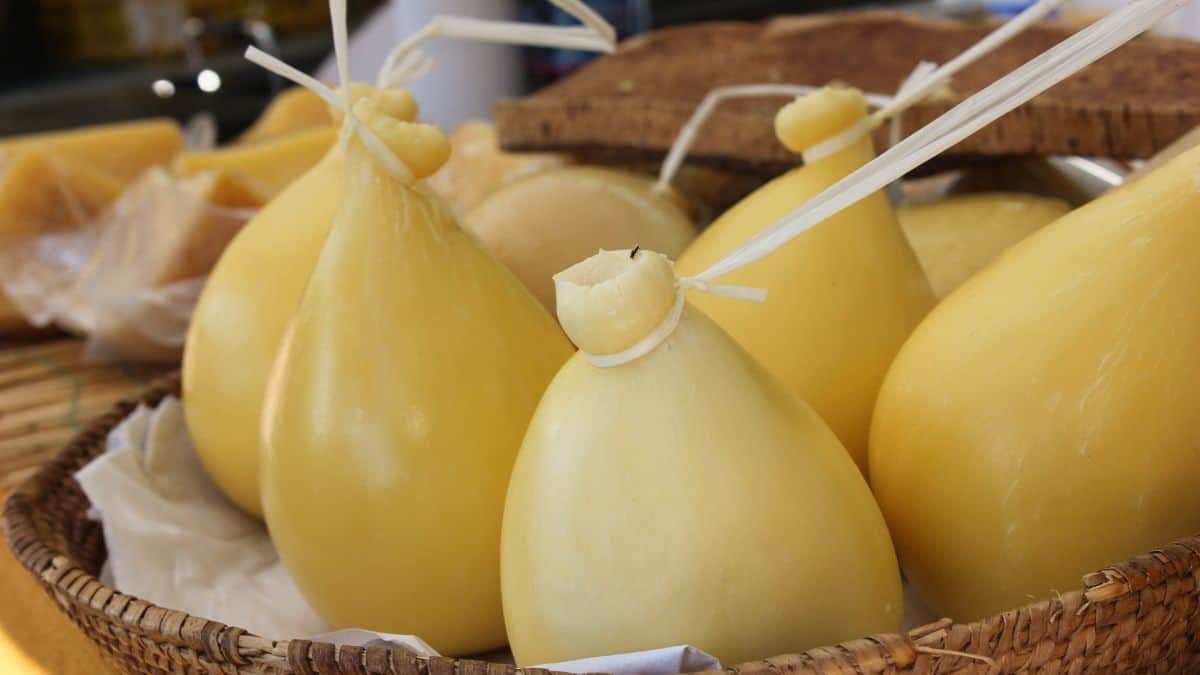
[[1040, 423], [545, 223], [397, 407], [843, 297], [247, 303], [684, 497]]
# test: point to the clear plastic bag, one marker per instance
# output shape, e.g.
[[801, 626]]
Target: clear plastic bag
[[129, 278]]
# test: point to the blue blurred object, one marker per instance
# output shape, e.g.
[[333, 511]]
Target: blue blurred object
[[629, 17], [1007, 8]]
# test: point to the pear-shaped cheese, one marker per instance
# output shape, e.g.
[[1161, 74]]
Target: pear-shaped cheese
[[545, 223], [843, 297], [1040, 423], [478, 167], [247, 303], [396, 408], [686, 496], [957, 236]]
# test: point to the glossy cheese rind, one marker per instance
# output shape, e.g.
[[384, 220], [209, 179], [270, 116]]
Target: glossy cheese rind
[[396, 409], [842, 297], [1040, 423], [685, 497]]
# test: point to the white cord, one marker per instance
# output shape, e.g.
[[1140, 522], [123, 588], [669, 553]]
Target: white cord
[[406, 62], [1012, 90], [671, 320]]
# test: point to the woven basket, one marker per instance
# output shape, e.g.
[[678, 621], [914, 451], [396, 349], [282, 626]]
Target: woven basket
[[1139, 617]]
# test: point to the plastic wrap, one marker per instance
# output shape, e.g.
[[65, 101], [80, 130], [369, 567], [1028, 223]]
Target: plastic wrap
[[128, 279]]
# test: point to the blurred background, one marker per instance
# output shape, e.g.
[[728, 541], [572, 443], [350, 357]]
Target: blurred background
[[71, 62]]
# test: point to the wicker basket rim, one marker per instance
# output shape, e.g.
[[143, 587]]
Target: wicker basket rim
[[954, 647]]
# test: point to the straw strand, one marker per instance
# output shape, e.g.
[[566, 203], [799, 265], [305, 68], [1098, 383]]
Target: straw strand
[[1014, 89]]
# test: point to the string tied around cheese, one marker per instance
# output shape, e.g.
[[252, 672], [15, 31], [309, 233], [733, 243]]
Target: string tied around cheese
[[921, 83], [406, 63], [977, 111], [670, 320], [1012, 90], [351, 126]]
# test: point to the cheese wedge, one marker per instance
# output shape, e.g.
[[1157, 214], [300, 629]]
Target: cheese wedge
[[266, 167], [40, 192], [121, 151]]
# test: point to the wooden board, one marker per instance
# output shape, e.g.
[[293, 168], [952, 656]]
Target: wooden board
[[630, 105], [48, 393]]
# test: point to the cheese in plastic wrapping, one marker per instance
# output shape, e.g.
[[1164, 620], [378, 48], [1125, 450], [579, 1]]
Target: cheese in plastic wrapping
[[397, 404], [843, 297], [1040, 423], [240, 318], [685, 495], [545, 223], [41, 192], [129, 279]]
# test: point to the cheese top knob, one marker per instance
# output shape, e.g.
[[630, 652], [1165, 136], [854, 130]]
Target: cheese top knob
[[614, 299], [397, 103], [818, 116], [423, 148]]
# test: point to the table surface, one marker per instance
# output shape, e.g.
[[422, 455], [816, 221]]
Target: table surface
[[35, 637]]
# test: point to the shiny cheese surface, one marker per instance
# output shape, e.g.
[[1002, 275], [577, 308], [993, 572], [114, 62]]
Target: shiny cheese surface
[[1040, 423], [250, 297], [397, 407], [686, 497], [842, 297]]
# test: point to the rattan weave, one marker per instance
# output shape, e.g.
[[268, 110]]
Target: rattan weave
[[1142, 616]]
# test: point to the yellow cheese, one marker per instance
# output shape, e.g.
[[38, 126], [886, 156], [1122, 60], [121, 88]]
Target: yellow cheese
[[122, 151], [545, 223], [397, 406], [247, 303], [843, 297], [294, 109], [266, 167], [686, 496], [1040, 423], [477, 167], [40, 192], [957, 236]]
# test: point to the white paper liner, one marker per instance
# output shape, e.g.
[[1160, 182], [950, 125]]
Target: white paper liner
[[174, 540]]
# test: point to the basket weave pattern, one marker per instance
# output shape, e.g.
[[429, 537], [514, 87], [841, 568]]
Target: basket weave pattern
[[1142, 616]]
